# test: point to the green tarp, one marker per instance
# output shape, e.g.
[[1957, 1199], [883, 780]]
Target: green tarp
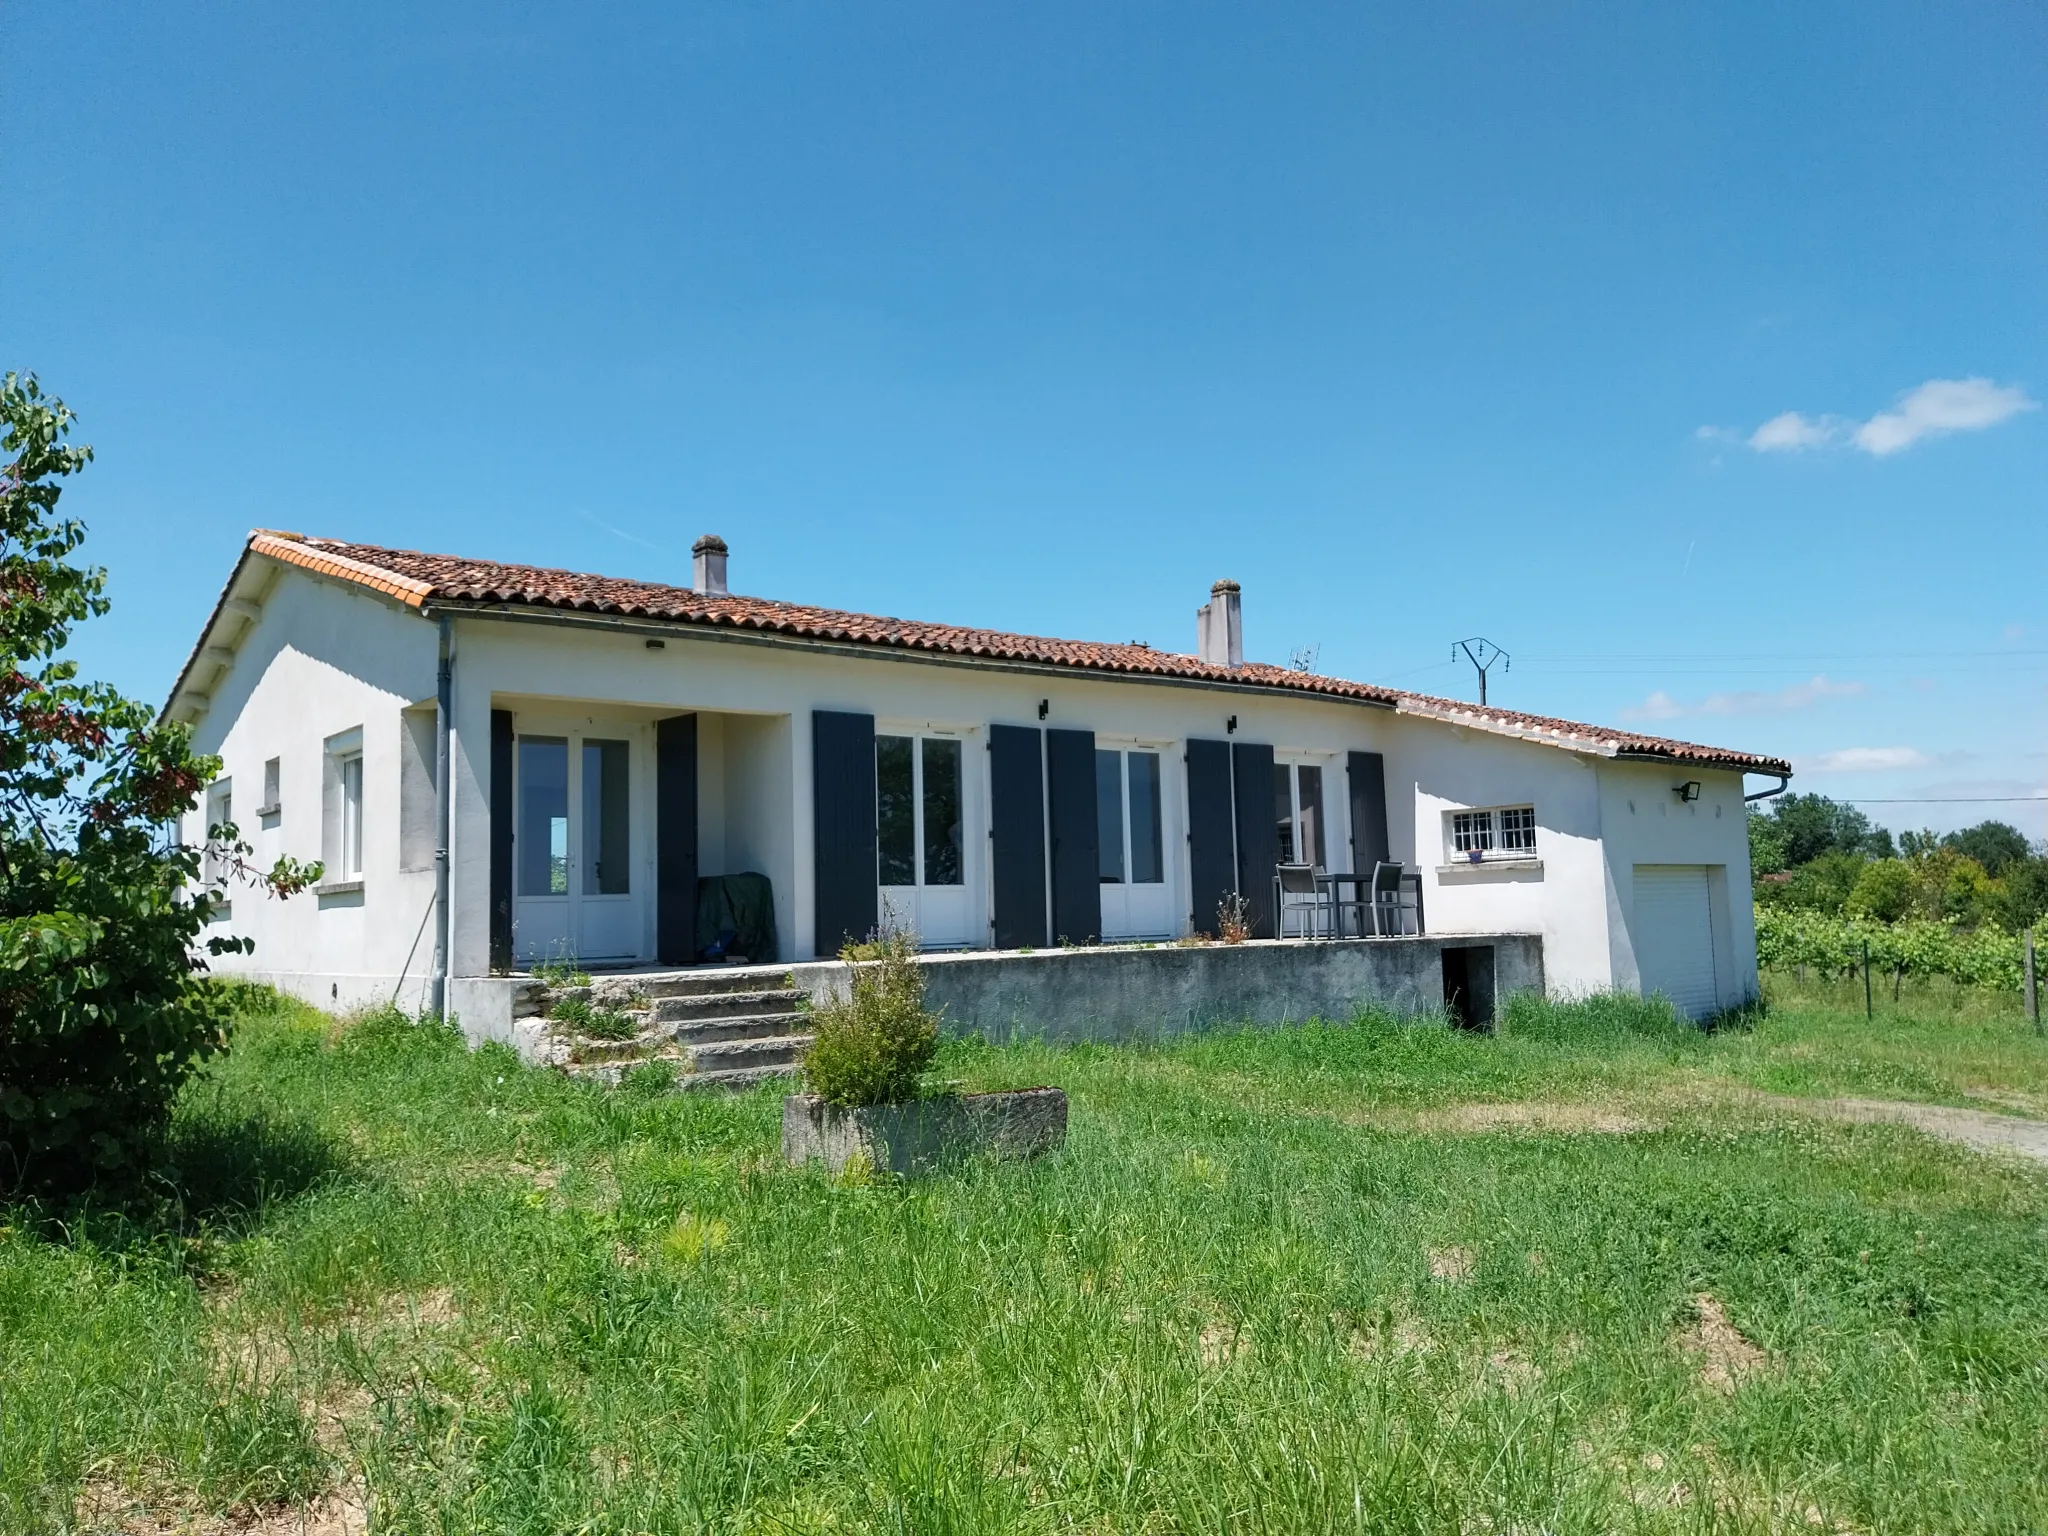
[[740, 911]]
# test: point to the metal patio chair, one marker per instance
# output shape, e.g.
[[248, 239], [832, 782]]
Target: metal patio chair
[[1392, 901], [1295, 890]]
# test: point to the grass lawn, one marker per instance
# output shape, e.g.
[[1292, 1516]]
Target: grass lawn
[[1595, 1273]]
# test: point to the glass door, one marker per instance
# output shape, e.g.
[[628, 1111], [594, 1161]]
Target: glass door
[[1130, 825], [920, 838], [1298, 811], [572, 874]]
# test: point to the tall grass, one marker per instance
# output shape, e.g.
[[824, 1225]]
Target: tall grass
[[1242, 1299]]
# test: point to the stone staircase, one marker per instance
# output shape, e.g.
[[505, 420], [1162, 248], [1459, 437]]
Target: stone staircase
[[716, 1029]]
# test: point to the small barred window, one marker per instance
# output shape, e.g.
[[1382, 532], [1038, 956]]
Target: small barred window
[[1518, 829]]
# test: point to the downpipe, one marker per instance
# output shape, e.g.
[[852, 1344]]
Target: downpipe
[[444, 802]]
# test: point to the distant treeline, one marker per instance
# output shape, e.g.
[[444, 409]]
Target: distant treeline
[[1811, 854]]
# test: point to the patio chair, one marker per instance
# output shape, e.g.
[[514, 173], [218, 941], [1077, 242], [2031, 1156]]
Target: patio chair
[[1295, 890], [1392, 902]]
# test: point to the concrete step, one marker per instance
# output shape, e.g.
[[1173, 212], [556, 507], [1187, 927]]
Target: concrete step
[[734, 1076], [610, 1072], [734, 1079], [773, 1051], [706, 981], [752, 1026], [648, 1042], [674, 1009]]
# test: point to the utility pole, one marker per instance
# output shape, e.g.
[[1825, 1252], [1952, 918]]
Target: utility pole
[[1482, 654]]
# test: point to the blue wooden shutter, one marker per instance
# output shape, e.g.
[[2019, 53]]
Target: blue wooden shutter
[[501, 840], [675, 840], [1212, 845], [843, 828], [1258, 834], [1367, 772], [1017, 842], [1076, 838]]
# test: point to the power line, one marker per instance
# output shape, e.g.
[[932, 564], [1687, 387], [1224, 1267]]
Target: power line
[[1939, 799]]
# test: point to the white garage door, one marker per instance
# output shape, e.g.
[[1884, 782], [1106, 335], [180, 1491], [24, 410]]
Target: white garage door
[[1674, 933]]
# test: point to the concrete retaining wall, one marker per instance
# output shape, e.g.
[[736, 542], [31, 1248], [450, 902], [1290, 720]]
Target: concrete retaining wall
[[1125, 993], [1121, 992]]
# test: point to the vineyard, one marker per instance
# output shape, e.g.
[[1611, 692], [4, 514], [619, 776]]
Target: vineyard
[[1985, 956]]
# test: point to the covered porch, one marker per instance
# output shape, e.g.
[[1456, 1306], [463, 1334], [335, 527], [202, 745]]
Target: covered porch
[[612, 822]]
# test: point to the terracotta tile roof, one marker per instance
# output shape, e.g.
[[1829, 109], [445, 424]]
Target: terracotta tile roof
[[417, 579]]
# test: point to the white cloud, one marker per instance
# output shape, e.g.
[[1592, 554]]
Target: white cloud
[[1938, 407], [1792, 432], [1864, 760], [1934, 409], [1661, 706]]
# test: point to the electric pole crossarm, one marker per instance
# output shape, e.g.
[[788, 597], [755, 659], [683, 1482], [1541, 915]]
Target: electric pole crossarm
[[1482, 654]]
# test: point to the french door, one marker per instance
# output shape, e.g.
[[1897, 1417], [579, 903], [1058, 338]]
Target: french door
[[1131, 838], [573, 850], [1298, 812], [920, 838]]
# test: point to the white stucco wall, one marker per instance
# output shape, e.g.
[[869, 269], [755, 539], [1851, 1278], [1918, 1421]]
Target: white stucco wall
[[1645, 823], [325, 658], [1442, 769]]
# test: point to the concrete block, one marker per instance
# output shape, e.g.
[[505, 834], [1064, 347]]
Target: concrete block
[[907, 1138]]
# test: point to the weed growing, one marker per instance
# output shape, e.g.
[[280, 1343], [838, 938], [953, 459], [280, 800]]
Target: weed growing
[[1282, 1280]]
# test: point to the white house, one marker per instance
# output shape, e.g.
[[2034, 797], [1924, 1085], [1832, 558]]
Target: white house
[[593, 747]]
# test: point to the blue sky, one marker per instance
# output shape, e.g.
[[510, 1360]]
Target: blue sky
[[1694, 355]]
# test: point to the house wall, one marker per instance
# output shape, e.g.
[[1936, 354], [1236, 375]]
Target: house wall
[[326, 658], [1645, 823], [322, 660], [1440, 769]]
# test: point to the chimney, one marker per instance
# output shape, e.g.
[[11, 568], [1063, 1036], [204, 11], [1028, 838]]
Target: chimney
[[709, 553], [1219, 626]]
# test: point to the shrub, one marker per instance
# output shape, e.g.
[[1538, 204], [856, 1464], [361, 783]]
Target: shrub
[[875, 1046], [103, 1007]]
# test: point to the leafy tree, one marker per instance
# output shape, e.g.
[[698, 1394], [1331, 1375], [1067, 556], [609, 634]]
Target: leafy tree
[[1885, 890], [1994, 844], [1824, 884], [104, 1009], [1766, 844], [2021, 901], [1807, 826]]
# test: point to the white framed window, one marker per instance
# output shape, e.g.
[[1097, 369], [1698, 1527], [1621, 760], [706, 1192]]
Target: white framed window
[[1494, 834], [1298, 814], [273, 777], [342, 810], [919, 838], [352, 816], [220, 813], [1128, 816]]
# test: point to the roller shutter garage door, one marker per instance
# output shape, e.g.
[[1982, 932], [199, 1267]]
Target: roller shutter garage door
[[1674, 934]]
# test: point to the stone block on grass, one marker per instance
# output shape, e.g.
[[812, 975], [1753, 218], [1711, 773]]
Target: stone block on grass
[[925, 1133]]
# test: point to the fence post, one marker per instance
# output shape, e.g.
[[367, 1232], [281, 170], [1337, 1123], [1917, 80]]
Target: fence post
[[1866, 979], [2033, 999]]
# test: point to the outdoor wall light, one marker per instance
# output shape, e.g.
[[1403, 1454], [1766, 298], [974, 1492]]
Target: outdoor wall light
[[1688, 791], [1230, 726], [1044, 708]]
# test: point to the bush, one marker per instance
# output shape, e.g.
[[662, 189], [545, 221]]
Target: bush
[[874, 1047], [103, 1007]]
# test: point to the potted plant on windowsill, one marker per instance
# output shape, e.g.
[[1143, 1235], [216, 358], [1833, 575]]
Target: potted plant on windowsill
[[866, 1071]]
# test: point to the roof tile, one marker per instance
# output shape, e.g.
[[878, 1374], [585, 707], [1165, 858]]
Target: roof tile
[[416, 579]]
